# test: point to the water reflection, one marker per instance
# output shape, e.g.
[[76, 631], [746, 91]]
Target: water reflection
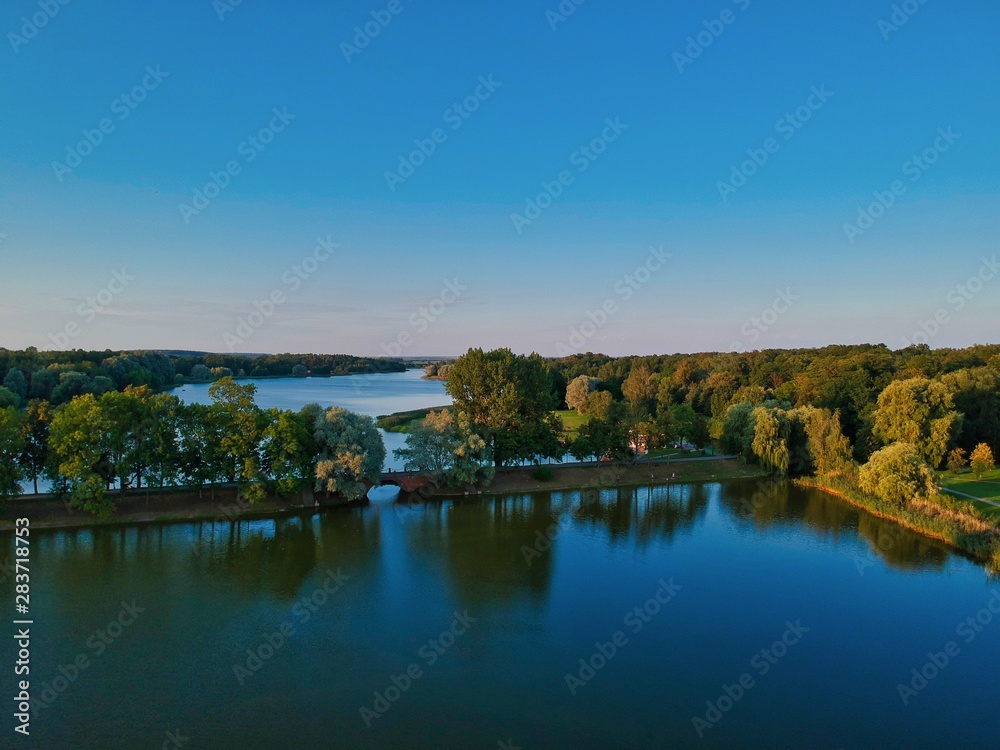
[[487, 548], [770, 502], [648, 514]]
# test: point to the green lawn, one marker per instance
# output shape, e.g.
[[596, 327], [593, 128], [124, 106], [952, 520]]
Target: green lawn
[[970, 484], [669, 453], [988, 488], [572, 421]]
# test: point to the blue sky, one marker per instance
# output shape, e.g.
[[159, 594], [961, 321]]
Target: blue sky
[[737, 255]]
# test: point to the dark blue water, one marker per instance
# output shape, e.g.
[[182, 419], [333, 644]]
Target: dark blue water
[[769, 620]]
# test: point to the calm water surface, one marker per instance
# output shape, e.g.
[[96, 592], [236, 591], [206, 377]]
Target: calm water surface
[[866, 601]]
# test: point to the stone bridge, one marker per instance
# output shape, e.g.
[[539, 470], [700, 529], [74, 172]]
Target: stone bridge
[[407, 481]]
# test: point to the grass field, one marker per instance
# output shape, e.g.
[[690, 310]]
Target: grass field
[[988, 489], [572, 422]]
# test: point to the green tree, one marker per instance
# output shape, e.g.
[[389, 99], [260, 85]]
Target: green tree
[[977, 397], [982, 460], [43, 382], [200, 456], [447, 450], [920, 412], [772, 432], [8, 399], [689, 425], [956, 460], [640, 390], [898, 474], [11, 448], [201, 374], [35, 456], [76, 440], [608, 436], [738, 430], [828, 447], [299, 371], [508, 400], [289, 450], [577, 391], [350, 452], [241, 424], [596, 405], [158, 448], [16, 384]]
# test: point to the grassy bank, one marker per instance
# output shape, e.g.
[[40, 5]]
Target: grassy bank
[[957, 523], [403, 421], [986, 489]]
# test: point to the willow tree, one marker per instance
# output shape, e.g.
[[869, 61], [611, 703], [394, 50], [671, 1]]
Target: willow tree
[[772, 432], [920, 412], [447, 450], [350, 451], [898, 475]]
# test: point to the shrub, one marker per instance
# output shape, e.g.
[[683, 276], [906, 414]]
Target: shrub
[[542, 474]]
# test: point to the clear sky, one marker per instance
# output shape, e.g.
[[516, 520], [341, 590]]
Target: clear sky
[[635, 125]]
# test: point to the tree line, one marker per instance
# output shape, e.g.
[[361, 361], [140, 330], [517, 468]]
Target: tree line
[[121, 440], [794, 411], [58, 377]]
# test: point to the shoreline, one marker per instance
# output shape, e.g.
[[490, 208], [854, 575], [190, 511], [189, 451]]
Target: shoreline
[[173, 505], [952, 537]]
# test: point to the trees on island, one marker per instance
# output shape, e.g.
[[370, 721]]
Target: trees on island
[[95, 444], [508, 401], [350, 451], [445, 448]]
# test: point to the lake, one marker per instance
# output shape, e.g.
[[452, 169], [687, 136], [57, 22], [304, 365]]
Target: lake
[[374, 395], [778, 617]]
